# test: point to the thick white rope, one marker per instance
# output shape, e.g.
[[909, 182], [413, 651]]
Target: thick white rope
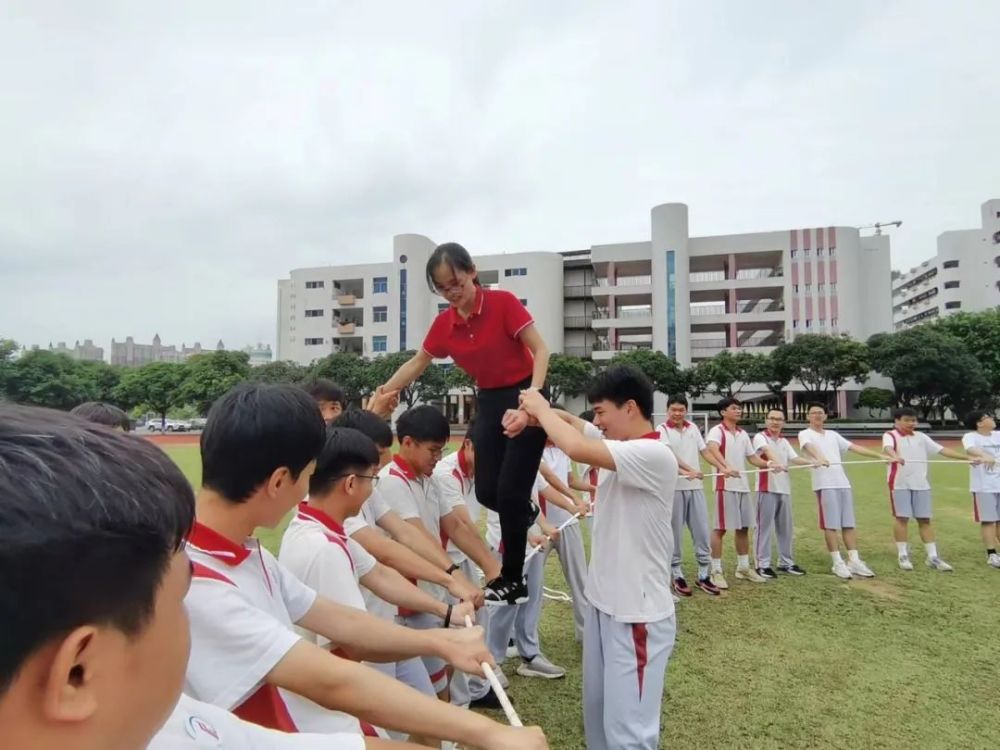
[[508, 707]]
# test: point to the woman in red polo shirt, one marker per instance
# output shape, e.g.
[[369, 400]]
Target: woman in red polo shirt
[[490, 335]]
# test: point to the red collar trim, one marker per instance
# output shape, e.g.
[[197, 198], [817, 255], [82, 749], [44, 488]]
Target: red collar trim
[[212, 543], [654, 435], [315, 514], [400, 463], [458, 320], [684, 425], [463, 465], [731, 432]]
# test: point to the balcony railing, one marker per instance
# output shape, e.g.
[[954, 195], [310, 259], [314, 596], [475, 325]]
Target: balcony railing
[[699, 310], [576, 321], [346, 299], [759, 273], [346, 329], [624, 281], [576, 291], [642, 312], [622, 346], [578, 351]]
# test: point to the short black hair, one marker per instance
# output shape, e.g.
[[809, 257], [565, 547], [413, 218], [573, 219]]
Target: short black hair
[[587, 415], [369, 423], [102, 413], [816, 405], [90, 520], [904, 411], [621, 383], [973, 418], [677, 398], [726, 402], [423, 423], [470, 430], [347, 451], [454, 256], [322, 389], [254, 430]]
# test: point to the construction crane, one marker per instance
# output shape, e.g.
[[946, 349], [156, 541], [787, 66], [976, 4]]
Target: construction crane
[[877, 226]]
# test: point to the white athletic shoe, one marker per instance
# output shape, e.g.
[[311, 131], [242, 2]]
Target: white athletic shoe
[[858, 568], [720, 580], [749, 574], [540, 667], [841, 570], [512, 652], [993, 560], [936, 563], [905, 564]]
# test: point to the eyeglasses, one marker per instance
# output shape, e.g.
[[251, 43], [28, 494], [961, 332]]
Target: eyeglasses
[[374, 479], [455, 286], [435, 452]]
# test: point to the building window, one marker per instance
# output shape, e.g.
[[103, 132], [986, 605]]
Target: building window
[[380, 314], [515, 272], [832, 252], [821, 288], [952, 305], [795, 324], [951, 284], [795, 253], [314, 313], [315, 284], [809, 323], [671, 305], [950, 264], [805, 253], [809, 288], [380, 344], [313, 342], [402, 309], [380, 285], [523, 301], [795, 288], [833, 288], [442, 306]]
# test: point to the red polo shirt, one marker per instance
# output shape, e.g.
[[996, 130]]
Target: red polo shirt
[[487, 344]]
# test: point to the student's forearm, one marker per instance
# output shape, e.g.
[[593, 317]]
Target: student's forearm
[[367, 637], [571, 441], [580, 485], [418, 539], [391, 586], [799, 461], [553, 479], [760, 463], [713, 458], [855, 448], [474, 547], [812, 451], [953, 454], [401, 558], [560, 500]]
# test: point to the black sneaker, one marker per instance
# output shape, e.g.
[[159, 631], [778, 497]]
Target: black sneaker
[[792, 570], [489, 701], [681, 586], [501, 593], [767, 573]]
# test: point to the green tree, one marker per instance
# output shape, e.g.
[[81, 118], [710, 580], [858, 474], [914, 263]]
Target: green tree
[[279, 372], [209, 376], [458, 378], [662, 370], [156, 387], [349, 371], [104, 377], [772, 374], [8, 348], [876, 400], [822, 363], [726, 373], [980, 333], [431, 386], [568, 376], [44, 378]]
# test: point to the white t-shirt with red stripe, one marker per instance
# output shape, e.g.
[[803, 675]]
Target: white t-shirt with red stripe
[[316, 550], [735, 447], [984, 477], [687, 444], [781, 451], [454, 485], [559, 463], [194, 724], [915, 447], [243, 606]]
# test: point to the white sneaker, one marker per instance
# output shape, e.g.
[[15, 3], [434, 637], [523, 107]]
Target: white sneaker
[[540, 667], [512, 652], [749, 574], [904, 562], [858, 568], [993, 560], [841, 570], [936, 563]]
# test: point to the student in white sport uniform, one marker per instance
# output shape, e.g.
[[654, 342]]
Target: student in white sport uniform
[[734, 509], [833, 490], [909, 490], [631, 625], [259, 449], [774, 499], [689, 447], [983, 442]]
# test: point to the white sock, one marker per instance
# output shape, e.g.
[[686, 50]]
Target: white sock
[[743, 561], [931, 548], [836, 557], [677, 572], [901, 548], [716, 565], [702, 571], [853, 556]]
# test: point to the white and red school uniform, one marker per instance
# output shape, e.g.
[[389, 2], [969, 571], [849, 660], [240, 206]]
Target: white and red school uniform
[[243, 606], [915, 449], [455, 484], [630, 626], [984, 479]]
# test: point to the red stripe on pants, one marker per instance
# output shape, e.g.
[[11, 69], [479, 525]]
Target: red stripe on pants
[[819, 501], [639, 639], [975, 507], [720, 497]]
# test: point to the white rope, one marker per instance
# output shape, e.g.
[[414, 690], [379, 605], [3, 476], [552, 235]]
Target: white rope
[[501, 694]]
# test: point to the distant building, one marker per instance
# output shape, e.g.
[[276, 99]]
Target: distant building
[[964, 276], [85, 352], [259, 355], [127, 353]]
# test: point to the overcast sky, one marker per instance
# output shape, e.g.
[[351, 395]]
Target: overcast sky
[[162, 164]]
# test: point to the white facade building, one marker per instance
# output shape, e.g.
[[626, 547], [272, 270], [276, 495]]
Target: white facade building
[[963, 276], [690, 297]]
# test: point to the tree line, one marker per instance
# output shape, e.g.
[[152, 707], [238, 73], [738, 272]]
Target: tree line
[[949, 365]]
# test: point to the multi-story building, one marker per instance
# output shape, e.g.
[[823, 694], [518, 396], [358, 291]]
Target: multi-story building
[[85, 352], [259, 355], [964, 275], [127, 353], [690, 297]]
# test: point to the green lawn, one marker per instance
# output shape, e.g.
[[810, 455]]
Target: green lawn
[[904, 660]]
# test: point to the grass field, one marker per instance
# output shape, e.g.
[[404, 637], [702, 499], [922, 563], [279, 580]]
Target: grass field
[[904, 660]]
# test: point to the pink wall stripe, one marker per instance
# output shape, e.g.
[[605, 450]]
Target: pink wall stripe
[[793, 238], [820, 237], [833, 270], [809, 307], [834, 307], [831, 237], [796, 315], [795, 271], [806, 239], [822, 308], [821, 271], [807, 267]]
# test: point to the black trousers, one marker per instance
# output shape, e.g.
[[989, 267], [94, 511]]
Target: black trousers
[[505, 472]]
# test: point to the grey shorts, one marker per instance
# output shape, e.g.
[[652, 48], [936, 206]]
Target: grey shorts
[[836, 508], [910, 503], [734, 510], [986, 507]]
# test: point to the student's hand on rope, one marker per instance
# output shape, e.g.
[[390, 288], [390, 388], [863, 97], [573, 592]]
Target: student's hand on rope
[[691, 474], [515, 738], [582, 507], [549, 530], [465, 649], [460, 588], [895, 460], [514, 421], [977, 461], [383, 402], [459, 612], [536, 541], [732, 473], [824, 464], [776, 467]]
